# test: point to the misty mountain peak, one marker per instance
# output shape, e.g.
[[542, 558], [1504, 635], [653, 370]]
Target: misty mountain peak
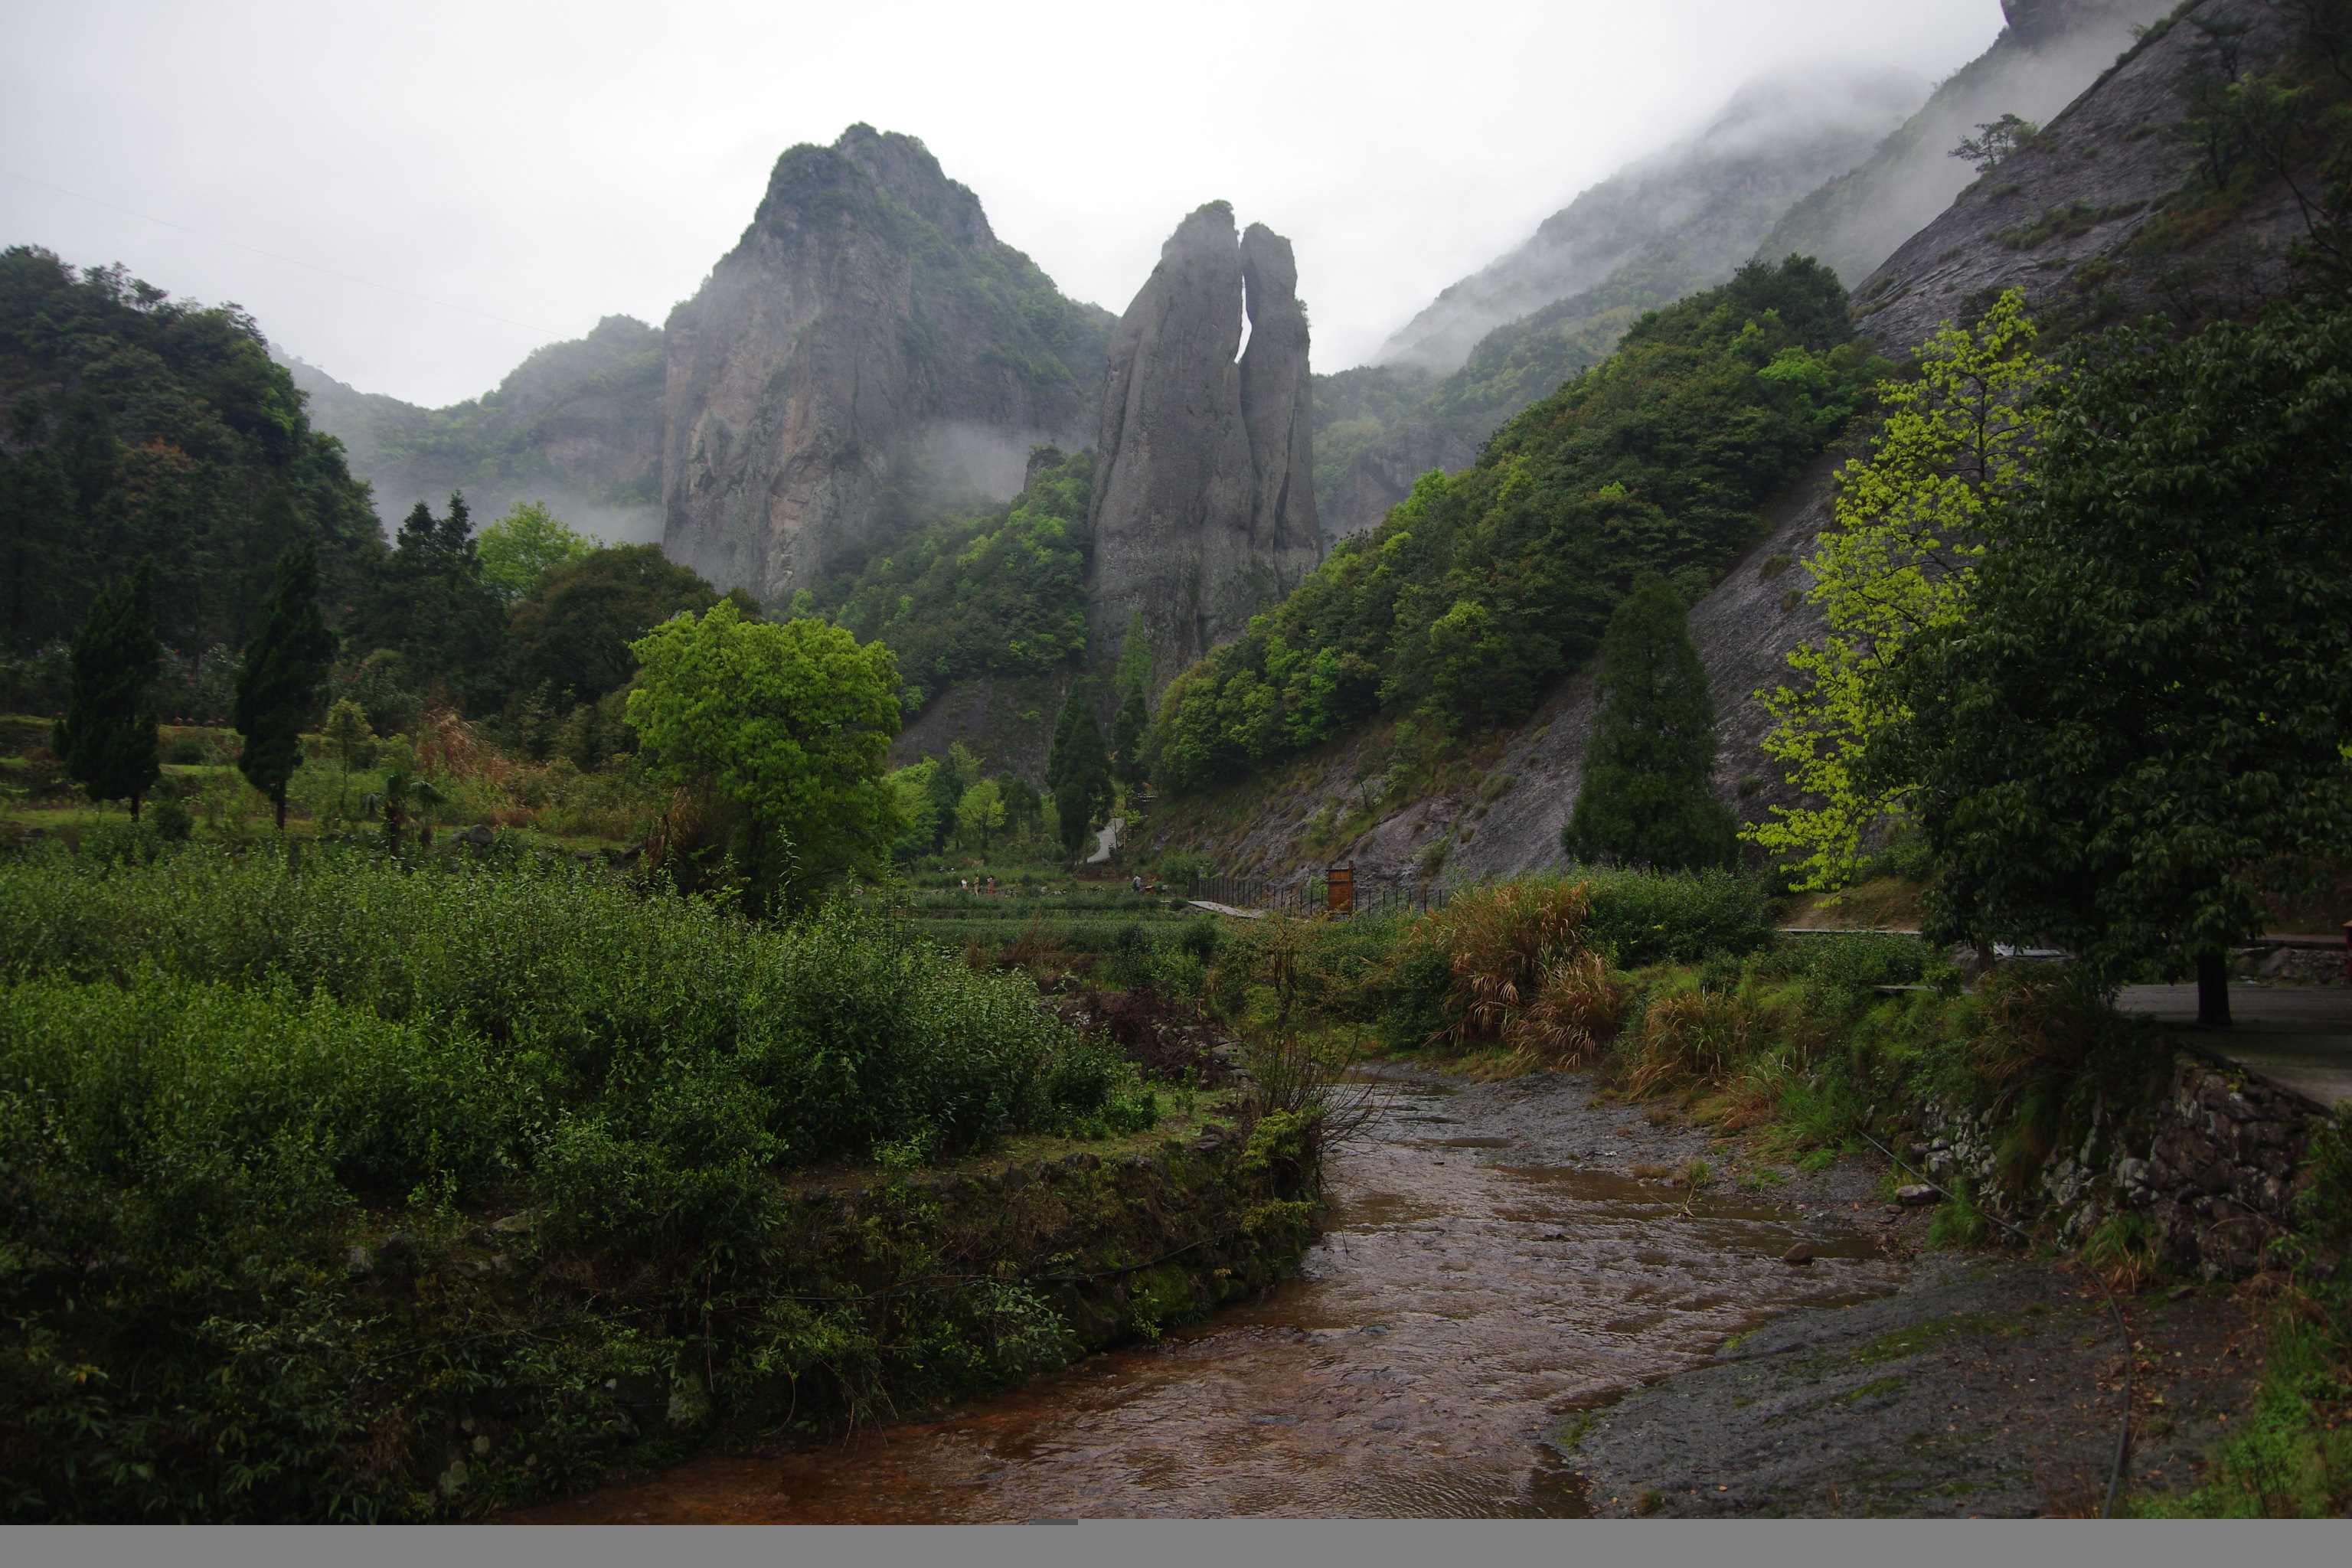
[[1713, 195], [868, 322]]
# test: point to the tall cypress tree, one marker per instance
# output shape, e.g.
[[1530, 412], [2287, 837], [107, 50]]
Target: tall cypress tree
[[1078, 769], [1648, 796], [107, 738], [284, 665], [1127, 732]]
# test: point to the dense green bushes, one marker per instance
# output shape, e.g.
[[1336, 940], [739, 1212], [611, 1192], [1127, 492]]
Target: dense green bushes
[[691, 1038], [1483, 587], [223, 1084]]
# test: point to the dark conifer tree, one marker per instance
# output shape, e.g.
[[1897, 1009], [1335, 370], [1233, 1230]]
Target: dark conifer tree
[[107, 738], [1078, 769], [278, 683], [1648, 794], [432, 603], [1127, 732]]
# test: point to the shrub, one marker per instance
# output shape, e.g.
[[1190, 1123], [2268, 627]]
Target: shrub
[[602, 1002]]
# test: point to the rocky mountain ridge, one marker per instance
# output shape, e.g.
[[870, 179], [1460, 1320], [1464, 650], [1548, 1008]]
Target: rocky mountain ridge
[[1768, 178], [868, 319]]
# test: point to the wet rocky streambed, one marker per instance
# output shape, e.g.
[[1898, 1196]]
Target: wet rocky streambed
[[1515, 1312]]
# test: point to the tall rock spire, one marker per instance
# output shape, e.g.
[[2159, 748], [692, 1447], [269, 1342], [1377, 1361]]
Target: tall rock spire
[[1205, 469]]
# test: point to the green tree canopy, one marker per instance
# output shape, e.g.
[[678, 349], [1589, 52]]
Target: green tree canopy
[[2137, 736], [1957, 445], [277, 686], [981, 813], [522, 547], [573, 632], [1128, 729], [1648, 791], [107, 738], [793, 722], [139, 425]]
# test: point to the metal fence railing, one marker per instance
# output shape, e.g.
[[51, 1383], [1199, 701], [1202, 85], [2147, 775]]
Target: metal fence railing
[[1312, 896]]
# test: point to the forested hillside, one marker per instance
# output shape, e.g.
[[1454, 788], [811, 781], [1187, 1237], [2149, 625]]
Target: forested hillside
[[577, 424], [1486, 586], [143, 426], [1002, 592]]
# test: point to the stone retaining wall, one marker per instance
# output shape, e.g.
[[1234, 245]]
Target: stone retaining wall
[[2213, 1165]]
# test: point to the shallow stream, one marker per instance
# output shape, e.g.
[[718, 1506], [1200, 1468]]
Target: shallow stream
[[1489, 1267]]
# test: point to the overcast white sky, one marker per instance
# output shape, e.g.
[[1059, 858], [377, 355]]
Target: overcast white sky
[[443, 186]]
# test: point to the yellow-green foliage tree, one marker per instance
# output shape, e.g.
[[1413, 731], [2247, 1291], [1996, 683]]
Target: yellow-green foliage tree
[[792, 722], [1909, 524]]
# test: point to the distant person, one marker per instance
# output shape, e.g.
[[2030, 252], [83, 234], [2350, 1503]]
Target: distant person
[[1135, 881]]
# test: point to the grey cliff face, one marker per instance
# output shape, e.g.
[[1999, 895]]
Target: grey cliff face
[[868, 315], [1204, 501], [2049, 53]]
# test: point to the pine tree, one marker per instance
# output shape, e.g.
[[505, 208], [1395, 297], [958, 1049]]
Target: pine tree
[[1648, 795], [1077, 770], [284, 665], [107, 738]]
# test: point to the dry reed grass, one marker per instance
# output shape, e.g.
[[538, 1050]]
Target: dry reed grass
[[1505, 944], [1696, 1035], [1576, 1010]]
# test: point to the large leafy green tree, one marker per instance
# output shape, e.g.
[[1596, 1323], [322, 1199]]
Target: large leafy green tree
[[2137, 738], [792, 722], [1648, 792], [522, 547], [1957, 445], [278, 683], [573, 632], [107, 738]]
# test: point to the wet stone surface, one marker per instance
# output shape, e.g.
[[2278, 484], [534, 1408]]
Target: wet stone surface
[[1988, 1387]]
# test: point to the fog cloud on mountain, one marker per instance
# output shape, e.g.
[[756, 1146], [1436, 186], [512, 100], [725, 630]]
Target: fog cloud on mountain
[[413, 197]]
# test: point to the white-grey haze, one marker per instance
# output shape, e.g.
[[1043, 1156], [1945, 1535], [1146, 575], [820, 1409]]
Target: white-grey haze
[[517, 170]]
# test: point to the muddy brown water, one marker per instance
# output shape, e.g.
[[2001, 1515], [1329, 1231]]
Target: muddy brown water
[[1472, 1291]]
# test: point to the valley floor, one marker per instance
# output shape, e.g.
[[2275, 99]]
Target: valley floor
[[1522, 1307]]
